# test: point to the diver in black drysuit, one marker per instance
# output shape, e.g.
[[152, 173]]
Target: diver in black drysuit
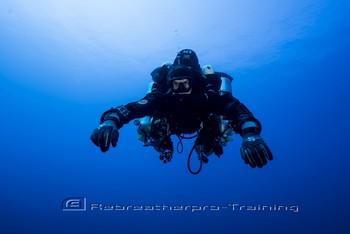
[[188, 107]]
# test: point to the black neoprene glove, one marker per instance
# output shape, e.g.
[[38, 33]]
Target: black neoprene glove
[[254, 150], [105, 134]]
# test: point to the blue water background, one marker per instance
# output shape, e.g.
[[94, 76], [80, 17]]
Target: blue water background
[[63, 63]]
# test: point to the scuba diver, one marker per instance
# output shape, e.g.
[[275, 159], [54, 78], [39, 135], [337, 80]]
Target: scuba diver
[[187, 99]]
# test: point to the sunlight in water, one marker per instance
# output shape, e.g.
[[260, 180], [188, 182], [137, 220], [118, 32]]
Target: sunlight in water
[[80, 45]]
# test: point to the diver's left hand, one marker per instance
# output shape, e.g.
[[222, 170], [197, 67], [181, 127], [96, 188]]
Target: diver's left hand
[[254, 151]]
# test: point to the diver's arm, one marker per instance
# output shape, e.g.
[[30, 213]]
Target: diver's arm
[[112, 120], [240, 114], [254, 150]]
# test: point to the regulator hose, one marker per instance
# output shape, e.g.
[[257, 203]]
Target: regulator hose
[[189, 162]]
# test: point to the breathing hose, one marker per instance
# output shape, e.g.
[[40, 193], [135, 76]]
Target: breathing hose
[[189, 162]]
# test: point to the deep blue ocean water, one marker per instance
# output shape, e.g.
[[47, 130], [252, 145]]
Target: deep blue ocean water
[[63, 63]]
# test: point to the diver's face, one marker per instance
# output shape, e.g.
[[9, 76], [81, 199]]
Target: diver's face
[[182, 86]]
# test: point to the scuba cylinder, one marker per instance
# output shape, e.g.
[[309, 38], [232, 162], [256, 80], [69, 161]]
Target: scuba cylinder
[[154, 132], [226, 82], [144, 128], [226, 129]]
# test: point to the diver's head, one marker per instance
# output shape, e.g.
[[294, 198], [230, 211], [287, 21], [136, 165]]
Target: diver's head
[[189, 58], [180, 79]]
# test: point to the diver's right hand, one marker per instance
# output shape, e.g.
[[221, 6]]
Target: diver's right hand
[[105, 134]]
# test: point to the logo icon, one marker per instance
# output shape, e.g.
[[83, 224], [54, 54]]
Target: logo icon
[[74, 204]]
